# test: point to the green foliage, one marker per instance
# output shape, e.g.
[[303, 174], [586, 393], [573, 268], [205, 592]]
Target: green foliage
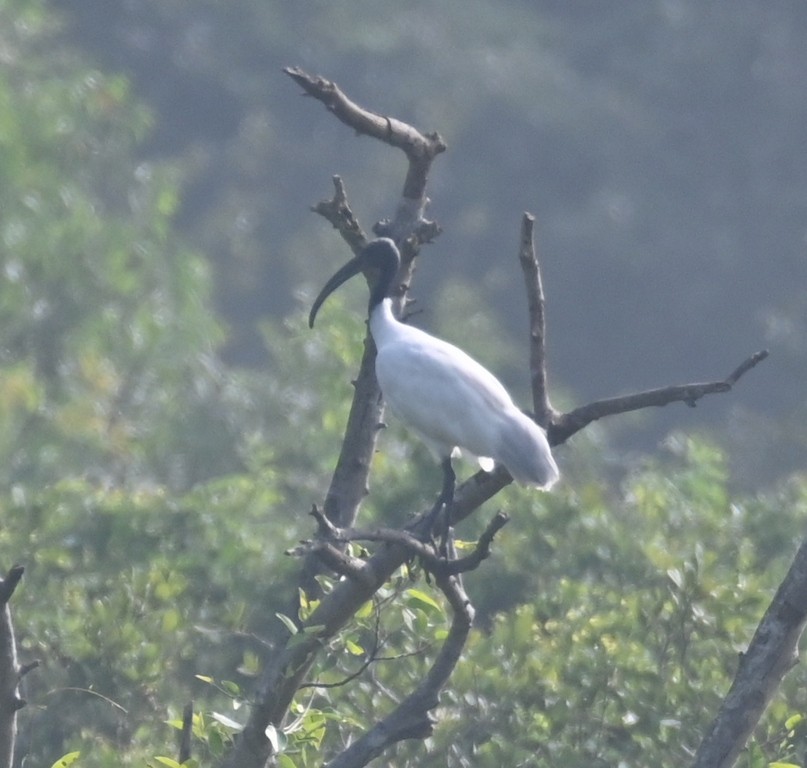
[[136, 485], [103, 313], [622, 623], [385, 646], [151, 491]]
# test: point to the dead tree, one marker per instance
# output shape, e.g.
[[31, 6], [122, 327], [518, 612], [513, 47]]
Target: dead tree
[[360, 577]]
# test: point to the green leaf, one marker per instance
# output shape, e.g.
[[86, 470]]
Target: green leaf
[[170, 762], [365, 611], [354, 648], [204, 678], [66, 760], [227, 722], [793, 721], [288, 623], [422, 597]]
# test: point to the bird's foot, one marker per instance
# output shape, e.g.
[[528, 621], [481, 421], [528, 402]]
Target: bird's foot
[[435, 528], [423, 527]]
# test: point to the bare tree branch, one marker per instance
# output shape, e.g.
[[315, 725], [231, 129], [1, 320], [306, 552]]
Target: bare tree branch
[[537, 317], [287, 669], [567, 424], [746, 366], [350, 480], [337, 210], [773, 652], [411, 719], [480, 552], [432, 560], [420, 148], [10, 673]]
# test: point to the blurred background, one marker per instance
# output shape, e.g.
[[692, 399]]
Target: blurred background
[[661, 146], [167, 418]]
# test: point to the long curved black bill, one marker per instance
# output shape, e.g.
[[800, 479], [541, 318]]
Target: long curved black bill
[[353, 267]]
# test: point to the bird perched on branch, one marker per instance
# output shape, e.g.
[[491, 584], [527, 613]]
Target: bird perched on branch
[[448, 399]]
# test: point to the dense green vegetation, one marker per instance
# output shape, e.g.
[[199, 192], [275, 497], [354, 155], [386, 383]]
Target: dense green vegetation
[[151, 491]]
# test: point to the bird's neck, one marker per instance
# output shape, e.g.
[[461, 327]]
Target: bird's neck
[[383, 323], [386, 264]]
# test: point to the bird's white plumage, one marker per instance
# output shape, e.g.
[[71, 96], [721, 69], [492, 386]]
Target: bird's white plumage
[[451, 401]]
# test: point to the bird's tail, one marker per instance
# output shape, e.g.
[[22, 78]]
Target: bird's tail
[[524, 451]]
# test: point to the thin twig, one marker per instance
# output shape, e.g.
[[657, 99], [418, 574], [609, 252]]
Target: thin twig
[[746, 365], [480, 552], [89, 692], [371, 657], [425, 551], [338, 212]]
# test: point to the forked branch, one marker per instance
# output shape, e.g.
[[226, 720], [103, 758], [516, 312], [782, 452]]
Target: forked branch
[[287, 669], [330, 537], [420, 148]]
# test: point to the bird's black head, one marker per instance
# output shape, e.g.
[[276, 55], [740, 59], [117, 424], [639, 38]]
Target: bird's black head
[[379, 260]]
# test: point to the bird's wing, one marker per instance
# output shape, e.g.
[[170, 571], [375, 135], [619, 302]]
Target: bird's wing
[[443, 394]]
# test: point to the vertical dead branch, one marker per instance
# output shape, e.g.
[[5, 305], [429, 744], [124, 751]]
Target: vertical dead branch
[[287, 667], [771, 655], [531, 268], [186, 733], [10, 701], [350, 481]]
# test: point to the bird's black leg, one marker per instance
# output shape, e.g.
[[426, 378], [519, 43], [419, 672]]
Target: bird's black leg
[[446, 497], [425, 527], [444, 501]]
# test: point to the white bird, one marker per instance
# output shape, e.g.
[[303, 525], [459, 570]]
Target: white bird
[[448, 399]]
